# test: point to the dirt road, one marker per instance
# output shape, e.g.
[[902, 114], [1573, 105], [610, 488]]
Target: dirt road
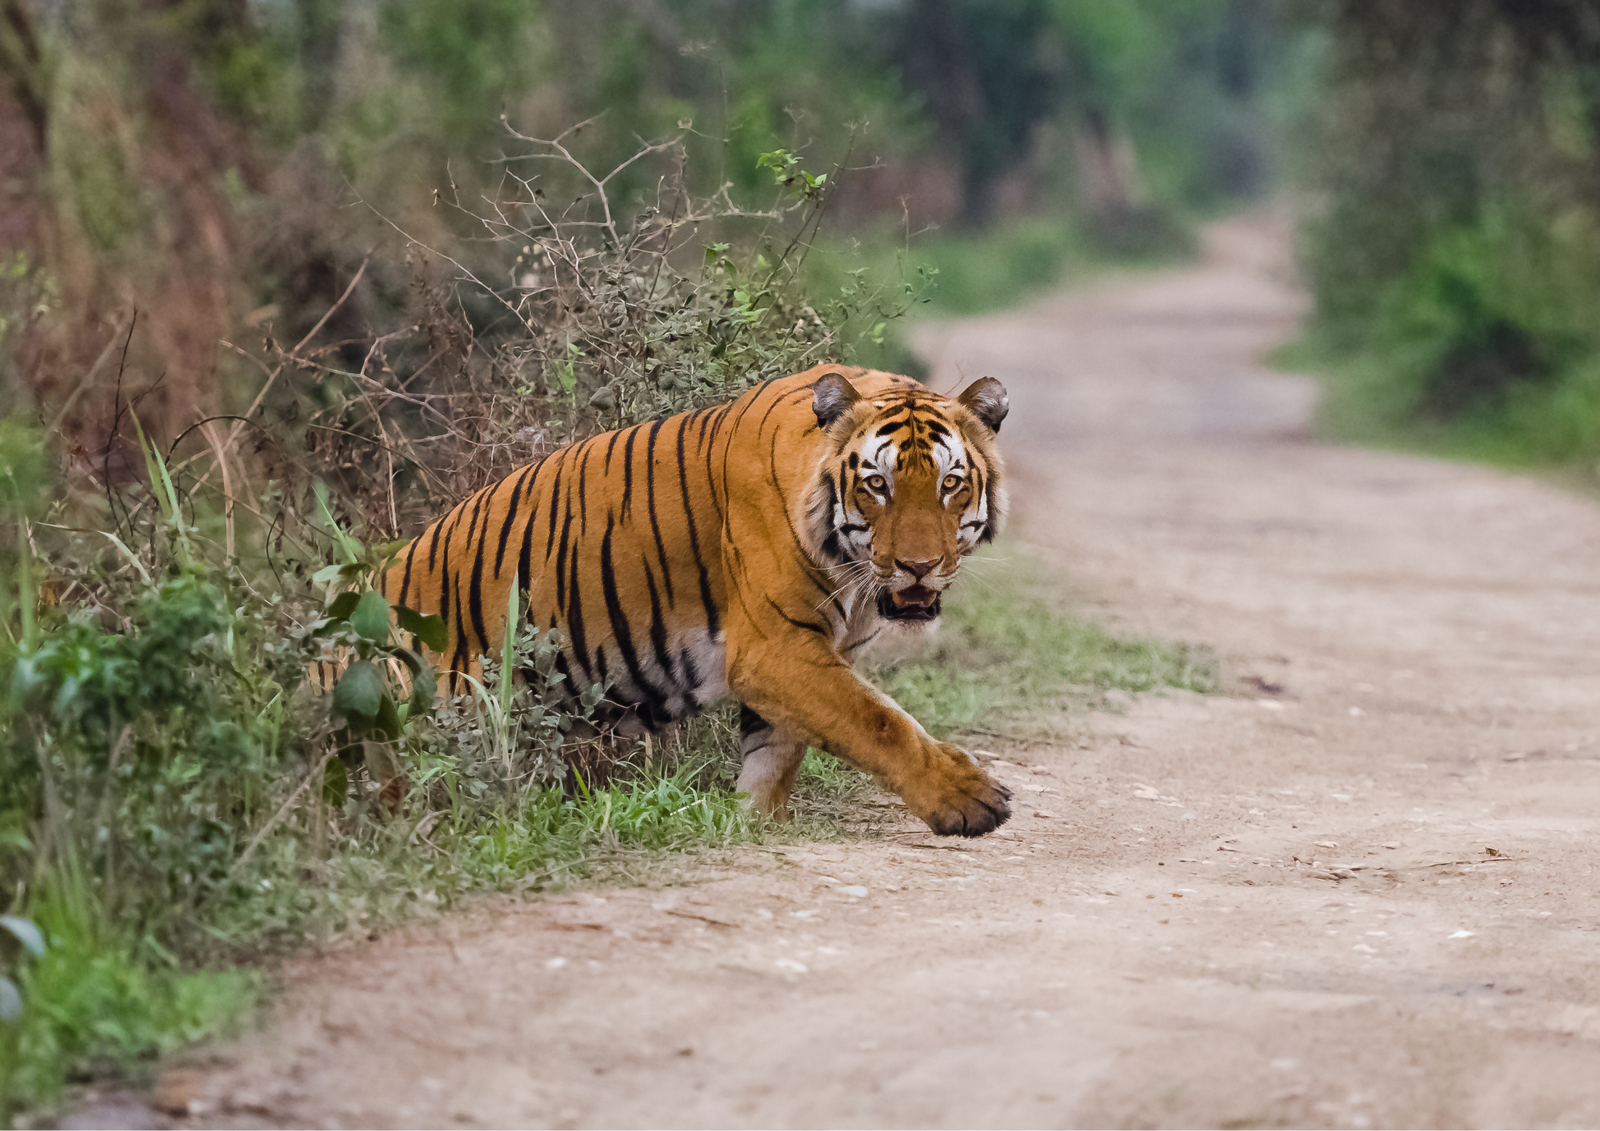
[[1357, 890]]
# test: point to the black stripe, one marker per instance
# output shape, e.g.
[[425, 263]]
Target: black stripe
[[561, 666], [750, 722], [524, 559], [459, 661], [555, 499], [433, 544], [405, 580], [619, 625], [801, 554], [816, 628], [627, 475], [561, 558], [778, 400], [475, 594], [444, 581], [477, 507], [610, 444], [831, 546], [511, 516], [694, 539], [650, 500], [580, 648], [658, 626]]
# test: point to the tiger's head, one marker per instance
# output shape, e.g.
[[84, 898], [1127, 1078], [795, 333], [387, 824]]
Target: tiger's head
[[908, 485]]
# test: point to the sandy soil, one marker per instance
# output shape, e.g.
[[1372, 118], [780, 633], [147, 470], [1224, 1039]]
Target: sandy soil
[[1358, 889]]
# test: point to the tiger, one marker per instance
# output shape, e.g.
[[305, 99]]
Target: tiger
[[751, 550]]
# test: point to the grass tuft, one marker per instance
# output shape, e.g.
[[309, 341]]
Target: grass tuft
[[103, 1004]]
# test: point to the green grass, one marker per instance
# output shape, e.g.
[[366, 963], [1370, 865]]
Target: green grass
[[1369, 399], [104, 1002], [554, 837], [100, 1003], [1004, 655]]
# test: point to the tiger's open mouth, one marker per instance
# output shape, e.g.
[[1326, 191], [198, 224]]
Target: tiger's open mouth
[[914, 602]]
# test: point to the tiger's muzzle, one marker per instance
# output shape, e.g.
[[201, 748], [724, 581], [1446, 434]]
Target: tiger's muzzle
[[913, 603]]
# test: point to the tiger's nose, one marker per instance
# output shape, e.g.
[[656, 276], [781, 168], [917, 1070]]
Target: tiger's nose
[[919, 570]]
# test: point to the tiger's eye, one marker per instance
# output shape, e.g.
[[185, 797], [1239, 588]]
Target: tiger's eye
[[951, 482], [877, 483]]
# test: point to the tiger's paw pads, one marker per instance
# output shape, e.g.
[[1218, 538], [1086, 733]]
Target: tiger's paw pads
[[965, 801]]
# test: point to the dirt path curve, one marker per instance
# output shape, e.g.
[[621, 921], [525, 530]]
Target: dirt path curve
[[1365, 898]]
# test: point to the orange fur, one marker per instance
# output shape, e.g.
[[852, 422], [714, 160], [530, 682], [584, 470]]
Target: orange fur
[[744, 550]]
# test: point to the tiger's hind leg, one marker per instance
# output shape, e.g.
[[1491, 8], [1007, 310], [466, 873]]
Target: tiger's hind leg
[[772, 757]]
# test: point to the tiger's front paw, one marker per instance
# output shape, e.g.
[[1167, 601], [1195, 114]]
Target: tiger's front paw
[[959, 799]]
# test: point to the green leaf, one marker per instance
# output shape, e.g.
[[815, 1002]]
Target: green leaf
[[10, 1000], [429, 629], [371, 617], [422, 691], [326, 575], [388, 723], [342, 606], [31, 938], [335, 782], [360, 692]]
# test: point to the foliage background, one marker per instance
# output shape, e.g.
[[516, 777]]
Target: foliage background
[[223, 167], [1453, 239]]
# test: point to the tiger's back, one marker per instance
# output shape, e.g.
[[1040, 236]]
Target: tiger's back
[[599, 532]]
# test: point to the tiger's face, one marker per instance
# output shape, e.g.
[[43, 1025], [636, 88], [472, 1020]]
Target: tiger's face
[[909, 487]]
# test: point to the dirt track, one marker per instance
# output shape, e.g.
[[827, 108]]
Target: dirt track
[[1356, 890]]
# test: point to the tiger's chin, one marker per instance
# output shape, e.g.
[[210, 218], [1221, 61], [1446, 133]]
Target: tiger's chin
[[914, 604]]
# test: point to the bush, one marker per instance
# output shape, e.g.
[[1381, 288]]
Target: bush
[[609, 311], [176, 794], [1453, 254]]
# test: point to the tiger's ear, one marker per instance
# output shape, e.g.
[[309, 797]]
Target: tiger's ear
[[986, 399], [833, 397]]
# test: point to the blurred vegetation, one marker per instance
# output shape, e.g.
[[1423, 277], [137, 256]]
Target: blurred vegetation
[[219, 166], [280, 279], [1453, 245]]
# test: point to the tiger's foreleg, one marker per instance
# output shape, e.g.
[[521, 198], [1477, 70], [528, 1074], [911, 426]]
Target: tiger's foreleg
[[805, 687], [772, 757]]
